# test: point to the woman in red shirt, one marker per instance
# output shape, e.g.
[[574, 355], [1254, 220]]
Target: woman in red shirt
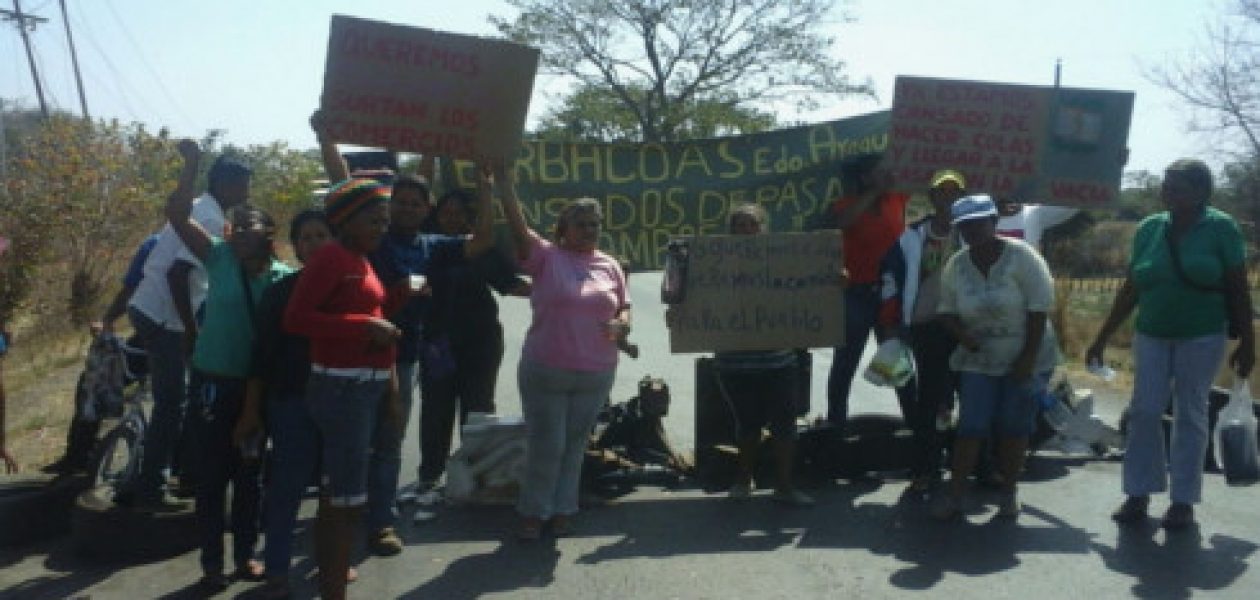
[[872, 218], [340, 305]]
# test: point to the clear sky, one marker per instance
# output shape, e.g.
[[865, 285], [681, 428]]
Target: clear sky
[[255, 68]]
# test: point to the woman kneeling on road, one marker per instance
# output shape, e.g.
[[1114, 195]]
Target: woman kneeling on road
[[995, 295]]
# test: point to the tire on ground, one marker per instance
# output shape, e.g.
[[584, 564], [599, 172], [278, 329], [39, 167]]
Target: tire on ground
[[36, 507], [102, 530]]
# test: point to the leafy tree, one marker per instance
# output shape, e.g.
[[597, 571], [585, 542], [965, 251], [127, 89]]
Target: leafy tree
[[79, 194], [597, 115], [662, 70]]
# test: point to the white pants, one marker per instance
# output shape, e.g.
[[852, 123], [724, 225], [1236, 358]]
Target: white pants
[[1182, 369]]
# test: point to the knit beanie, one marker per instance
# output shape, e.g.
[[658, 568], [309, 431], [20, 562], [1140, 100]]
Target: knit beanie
[[351, 196]]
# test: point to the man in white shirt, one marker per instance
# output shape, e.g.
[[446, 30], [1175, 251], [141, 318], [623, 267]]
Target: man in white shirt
[[162, 312]]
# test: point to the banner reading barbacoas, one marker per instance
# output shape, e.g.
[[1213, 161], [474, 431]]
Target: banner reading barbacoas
[[651, 192]]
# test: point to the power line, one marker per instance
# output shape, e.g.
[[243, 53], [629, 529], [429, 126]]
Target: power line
[[119, 82], [23, 22], [147, 64]]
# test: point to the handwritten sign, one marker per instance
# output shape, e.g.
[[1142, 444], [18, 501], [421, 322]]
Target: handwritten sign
[[760, 292], [652, 192], [413, 89], [1060, 146]]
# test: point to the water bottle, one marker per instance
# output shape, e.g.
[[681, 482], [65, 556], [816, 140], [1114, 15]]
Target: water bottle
[[674, 281]]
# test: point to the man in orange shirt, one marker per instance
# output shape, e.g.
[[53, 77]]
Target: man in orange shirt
[[872, 217]]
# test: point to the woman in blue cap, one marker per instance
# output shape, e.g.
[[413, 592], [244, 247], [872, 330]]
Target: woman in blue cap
[[995, 295]]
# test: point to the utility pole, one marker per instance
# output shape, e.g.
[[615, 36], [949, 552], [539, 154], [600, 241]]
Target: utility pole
[[23, 21], [74, 59]]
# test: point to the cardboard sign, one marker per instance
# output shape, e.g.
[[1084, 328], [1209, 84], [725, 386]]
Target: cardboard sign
[[1046, 145], [760, 292], [412, 89]]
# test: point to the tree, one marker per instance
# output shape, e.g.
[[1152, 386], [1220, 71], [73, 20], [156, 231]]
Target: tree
[[1221, 80], [597, 115], [674, 68], [79, 194]]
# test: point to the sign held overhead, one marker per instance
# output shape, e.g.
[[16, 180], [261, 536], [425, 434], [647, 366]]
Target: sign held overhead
[[419, 90], [1061, 146]]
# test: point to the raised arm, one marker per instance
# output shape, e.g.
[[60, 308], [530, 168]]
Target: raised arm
[[179, 203], [334, 163], [483, 234], [522, 235]]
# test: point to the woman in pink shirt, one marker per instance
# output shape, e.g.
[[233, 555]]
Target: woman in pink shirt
[[581, 312]]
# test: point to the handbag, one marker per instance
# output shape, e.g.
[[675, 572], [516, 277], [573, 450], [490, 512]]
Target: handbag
[[1236, 437], [1235, 329]]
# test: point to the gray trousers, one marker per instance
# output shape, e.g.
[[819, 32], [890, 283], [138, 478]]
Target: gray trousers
[[1182, 369], [560, 407]]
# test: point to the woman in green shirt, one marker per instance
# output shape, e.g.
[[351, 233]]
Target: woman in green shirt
[[1186, 276], [240, 264]]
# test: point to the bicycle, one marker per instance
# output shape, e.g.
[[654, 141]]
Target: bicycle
[[116, 461]]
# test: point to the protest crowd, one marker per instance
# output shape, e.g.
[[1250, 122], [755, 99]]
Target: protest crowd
[[280, 376]]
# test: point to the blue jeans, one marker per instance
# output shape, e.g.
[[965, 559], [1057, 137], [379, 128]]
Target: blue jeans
[[291, 467], [345, 411], [997, 404], [386, 459], [1183, 369], [167, 371], [560, 406], [861, 307]]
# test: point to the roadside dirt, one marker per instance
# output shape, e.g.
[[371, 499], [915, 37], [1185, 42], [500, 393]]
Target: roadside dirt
[[38, 412]]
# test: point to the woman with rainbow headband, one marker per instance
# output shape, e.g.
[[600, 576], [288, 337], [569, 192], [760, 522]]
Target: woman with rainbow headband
[[340, 305]]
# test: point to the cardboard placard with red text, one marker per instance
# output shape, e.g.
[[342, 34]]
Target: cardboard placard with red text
[[760, 292], [1047, 145], [418, 90]]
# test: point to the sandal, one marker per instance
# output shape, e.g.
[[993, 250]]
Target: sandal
[[530, 529], [561, 526]]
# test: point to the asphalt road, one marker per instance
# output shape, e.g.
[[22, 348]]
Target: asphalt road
[[864, 539]]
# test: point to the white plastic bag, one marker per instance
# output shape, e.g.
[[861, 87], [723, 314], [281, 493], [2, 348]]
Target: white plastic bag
[[892, 365], [1236, 447]]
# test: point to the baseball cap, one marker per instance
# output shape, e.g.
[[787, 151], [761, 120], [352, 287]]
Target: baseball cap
[[977, 206], [945, 175]]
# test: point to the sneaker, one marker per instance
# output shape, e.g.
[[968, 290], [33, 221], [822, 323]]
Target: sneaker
[[162, 503], [948, 507], [1179, 516], [742, 490], [1132, 511], [214, 582], [385, 542], [922, 484], [1008, 505], [792, 497]]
